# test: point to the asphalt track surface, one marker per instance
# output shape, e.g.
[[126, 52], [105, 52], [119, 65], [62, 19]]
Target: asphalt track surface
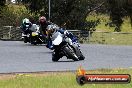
[[15, 56]]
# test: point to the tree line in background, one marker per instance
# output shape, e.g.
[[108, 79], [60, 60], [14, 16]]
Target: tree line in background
[[70, 14]]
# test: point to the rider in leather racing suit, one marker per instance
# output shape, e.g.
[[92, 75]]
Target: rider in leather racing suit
[[50, 31], [25, 26], [43, 23]]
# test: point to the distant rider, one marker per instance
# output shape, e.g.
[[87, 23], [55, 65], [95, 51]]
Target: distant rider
[[43, 23], [26, 29], [25, 26]]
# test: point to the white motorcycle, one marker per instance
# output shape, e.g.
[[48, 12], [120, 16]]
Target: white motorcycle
[[63, 46]]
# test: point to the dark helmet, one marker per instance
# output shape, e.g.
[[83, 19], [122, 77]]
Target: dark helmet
[[42, 19]]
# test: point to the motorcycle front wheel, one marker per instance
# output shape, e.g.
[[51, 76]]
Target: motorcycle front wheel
[[70, 53], [81, 57], [25, 39], [55, 57], [78, 53]]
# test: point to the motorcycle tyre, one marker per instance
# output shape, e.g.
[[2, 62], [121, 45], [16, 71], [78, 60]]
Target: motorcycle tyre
[[79, 53], [71, 53], [55, 57]]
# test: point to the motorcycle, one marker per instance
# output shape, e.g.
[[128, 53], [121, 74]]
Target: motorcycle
[[63, 46], [26, 37], [34, 36]]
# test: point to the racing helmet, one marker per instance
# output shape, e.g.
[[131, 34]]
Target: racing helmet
[[42, 19], [26, 22], [52, 28]]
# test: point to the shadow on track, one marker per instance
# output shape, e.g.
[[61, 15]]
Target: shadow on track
[[47, 52], [66, 61], [36, 45]]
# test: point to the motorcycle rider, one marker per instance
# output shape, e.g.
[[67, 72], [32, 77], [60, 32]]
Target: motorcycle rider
[[43, 23], [25, 26], [51, 30]]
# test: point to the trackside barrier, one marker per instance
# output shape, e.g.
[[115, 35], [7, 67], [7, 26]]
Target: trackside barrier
[[90, 37], [10, 33], [100, 37]]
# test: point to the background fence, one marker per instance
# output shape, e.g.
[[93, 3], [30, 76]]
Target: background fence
[[10, 33], [113, 38], [92, 37]]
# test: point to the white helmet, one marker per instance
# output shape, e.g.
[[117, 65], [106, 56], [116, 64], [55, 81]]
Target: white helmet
[[26, 22], [52, 28]]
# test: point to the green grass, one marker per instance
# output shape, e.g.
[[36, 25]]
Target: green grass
[[125, 27], [58, 80], [109, 38]]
